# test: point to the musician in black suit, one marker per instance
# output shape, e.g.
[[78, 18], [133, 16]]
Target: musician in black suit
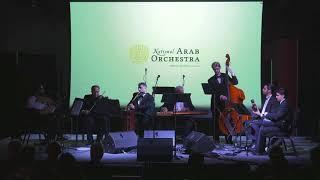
[[93, 120], [181, 107], [270, 104], [218, 85], [143, 105], [274, 121]]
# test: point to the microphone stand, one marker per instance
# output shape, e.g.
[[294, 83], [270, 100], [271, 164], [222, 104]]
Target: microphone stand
[[214, 117], [174, 111], [183, 81], [153, 95], [145, 75]]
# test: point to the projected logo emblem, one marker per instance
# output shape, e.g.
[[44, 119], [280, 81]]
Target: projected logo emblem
[[139, 53]]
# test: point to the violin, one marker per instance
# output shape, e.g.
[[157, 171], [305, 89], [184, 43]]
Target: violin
[[130, 104]]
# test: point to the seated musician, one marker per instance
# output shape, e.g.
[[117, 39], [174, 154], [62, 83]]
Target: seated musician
[[274, 121], [93, 120], [181, 107], [143, 105], [41, 107], [269, 105]]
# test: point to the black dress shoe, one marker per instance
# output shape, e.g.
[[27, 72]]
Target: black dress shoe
[[252, 148]]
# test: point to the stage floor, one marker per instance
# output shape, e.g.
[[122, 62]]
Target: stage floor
[[222, 154]]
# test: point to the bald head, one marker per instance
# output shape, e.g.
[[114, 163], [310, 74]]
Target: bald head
[[179, 89]]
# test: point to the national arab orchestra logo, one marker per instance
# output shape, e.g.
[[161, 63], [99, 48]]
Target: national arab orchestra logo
[[139, 53]]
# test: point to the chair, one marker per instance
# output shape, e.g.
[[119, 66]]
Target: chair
[[288, 128]]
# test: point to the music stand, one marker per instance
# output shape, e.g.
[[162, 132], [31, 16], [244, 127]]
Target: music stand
[[173, 98], [208, 91], [75, 113], [162, 89], [206, 88], [103, 108], [76, 107]]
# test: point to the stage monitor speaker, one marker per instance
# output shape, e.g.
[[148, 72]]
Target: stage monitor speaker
[[155, 149], [198, 143], [117, 142], [161, 134]]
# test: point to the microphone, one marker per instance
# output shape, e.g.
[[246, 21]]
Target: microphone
[[157, 80], [145, 75], [183, 76], [254, 106]]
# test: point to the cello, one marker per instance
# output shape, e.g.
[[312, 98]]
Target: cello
[[230, 121]]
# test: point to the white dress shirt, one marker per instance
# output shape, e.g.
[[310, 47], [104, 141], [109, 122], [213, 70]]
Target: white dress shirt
[[179, 106], [263, 111], [140, 98]]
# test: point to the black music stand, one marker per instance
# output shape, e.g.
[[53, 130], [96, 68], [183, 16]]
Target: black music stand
[[162, 89], [208, 91], [206, 88], [172, 98], [103, 108], [75, 113]]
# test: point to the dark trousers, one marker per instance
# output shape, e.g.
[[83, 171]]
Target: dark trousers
[[214, 125], [98, 124], [216, 108], [251, 129], [262, 128], [143, 122]]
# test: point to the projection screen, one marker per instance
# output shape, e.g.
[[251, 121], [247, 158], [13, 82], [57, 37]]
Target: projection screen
[[116, 45]]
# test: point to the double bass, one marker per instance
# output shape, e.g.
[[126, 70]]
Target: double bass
[[230, 121]]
